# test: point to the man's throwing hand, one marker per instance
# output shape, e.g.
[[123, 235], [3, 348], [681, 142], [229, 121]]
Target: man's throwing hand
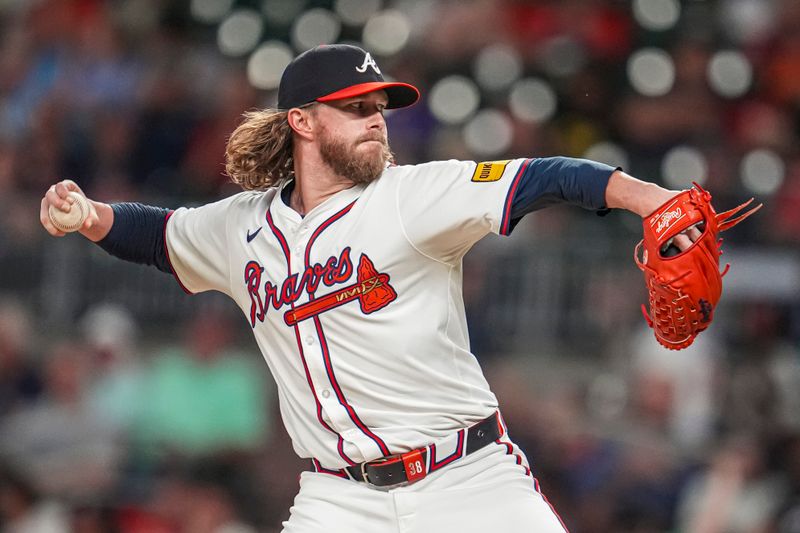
[[58, 198]]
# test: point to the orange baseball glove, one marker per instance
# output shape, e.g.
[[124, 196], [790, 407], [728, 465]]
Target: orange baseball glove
[[686, 285]]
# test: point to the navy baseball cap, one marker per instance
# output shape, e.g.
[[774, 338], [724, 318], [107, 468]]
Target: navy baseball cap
[[337, 71]]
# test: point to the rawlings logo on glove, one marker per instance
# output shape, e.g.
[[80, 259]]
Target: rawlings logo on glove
[[667, 219], [685, 287]]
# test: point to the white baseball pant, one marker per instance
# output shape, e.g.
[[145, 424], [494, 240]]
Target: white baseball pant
[[491, 490]]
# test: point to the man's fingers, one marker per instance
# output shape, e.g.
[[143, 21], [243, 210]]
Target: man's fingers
[[63, 188], [44, 218], [57, 196], [69, 185], [694, 233], [59, 202], [682, 241]]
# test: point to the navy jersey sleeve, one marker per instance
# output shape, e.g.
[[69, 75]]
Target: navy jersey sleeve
[[553, 180], [137, 235]]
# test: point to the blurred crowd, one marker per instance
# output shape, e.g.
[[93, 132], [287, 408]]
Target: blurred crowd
[[99, 433], [120, 425]]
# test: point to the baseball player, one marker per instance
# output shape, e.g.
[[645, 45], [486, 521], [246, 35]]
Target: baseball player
[[348, 270]]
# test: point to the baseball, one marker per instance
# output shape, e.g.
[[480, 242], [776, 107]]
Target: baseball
[[73, 219]]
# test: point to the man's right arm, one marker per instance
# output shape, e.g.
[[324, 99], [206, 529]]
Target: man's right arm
[[129, 231]]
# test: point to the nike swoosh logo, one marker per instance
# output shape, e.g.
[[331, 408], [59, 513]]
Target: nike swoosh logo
[[251, 236]]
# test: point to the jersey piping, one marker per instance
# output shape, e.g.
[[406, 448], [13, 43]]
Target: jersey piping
[[285, 248], [166, 249], [324, 343], [505, 221]]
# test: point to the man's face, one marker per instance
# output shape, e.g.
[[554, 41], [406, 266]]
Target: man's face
[[352, 136]]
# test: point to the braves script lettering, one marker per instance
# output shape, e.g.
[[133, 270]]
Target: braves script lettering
[[667, 219], [334, 270]]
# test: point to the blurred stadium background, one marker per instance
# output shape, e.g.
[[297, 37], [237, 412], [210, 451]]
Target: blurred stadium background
[[127, 406]]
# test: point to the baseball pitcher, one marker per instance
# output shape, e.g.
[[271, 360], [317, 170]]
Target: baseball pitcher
[[348, 269]]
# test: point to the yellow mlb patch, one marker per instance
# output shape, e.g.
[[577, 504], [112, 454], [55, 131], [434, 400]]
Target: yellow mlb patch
[[489, 170]]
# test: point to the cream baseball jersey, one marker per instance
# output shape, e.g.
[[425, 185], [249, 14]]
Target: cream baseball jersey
[[357, 307]]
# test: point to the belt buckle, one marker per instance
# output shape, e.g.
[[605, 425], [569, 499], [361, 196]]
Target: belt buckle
[[364, 473], [377, 462]]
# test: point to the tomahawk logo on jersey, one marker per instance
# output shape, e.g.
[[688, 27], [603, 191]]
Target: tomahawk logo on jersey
[[372, 289]]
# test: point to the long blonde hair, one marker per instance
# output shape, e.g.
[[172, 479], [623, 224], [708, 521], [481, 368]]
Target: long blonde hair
[[259, 151]]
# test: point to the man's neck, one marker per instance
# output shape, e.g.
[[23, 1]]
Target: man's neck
[[313, 184]]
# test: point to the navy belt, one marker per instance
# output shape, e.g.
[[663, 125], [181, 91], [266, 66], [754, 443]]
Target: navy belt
[[413, 466]]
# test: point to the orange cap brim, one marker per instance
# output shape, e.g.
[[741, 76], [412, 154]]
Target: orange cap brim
[[400, 94]]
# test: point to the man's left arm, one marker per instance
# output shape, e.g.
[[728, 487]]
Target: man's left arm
[[589, 184]]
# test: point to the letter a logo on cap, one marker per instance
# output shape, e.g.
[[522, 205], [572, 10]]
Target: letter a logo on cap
[[368, 62]]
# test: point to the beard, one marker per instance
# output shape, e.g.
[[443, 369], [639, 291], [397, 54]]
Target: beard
[[360, 166]]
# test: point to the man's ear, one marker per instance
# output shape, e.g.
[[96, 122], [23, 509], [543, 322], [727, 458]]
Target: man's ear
[[301, 122]]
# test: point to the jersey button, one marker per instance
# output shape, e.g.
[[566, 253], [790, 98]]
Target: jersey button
[[309, 340], [298, 250], [326, 393]]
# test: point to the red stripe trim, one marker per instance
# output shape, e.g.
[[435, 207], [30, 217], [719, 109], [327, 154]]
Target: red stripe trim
[[459, 451], [536, 486], [322, 470], [340, 395], [506, 220], [518, 457], [340, 442], [285, 247], [326, 356], [166, 249], [322, 227]]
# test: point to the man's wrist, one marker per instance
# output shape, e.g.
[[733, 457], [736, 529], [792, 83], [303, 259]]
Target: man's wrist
[[102, 224], [640, 197]]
